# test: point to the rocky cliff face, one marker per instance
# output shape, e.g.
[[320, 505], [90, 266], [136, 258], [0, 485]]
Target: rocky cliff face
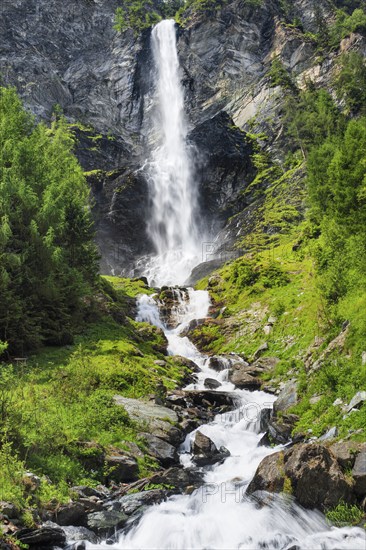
[[67, 53]]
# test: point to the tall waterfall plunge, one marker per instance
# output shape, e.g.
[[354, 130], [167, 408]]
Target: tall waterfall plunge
[[172, 224]]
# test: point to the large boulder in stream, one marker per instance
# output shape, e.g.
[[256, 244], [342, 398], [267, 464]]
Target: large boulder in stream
[[205, 451], [241, 378], [159, 420], [309, 472], [165, 453]]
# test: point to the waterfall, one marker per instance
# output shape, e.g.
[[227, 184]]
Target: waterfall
[[172, 223]]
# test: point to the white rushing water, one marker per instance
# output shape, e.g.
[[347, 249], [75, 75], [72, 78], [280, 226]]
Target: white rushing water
[[219, 515], [173, 219]]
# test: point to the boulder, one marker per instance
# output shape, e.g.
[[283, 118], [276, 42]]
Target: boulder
[[158, 419], [264, 419], [72, 513], [106, 521], [359, 473], [122, 468], [345, 453], [280, 429], [165, 453], [316, 477], [330, 434], [287, 397], [262, 348], [9, 510], [178, 478], [45, 535], [129, 504], [205, 451], [239, 376], [357, 400], [269, 475], [80, 534], [211, 384], [309, 471]]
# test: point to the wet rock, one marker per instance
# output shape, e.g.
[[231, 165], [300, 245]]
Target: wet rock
[[265, 416], [165, 453], [178, 478], [205, 451], [218, 363], [73, 513], [122, 468], [287, 397], [357, 400], [129, 504], [239, 376], [80, 534], [359, 473], [217, 400], [280, 429], [211, 383], [42, 536], [269, 475], [106, 521]]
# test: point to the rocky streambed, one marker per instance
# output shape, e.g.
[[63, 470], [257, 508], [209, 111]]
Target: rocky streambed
[[226, 453]]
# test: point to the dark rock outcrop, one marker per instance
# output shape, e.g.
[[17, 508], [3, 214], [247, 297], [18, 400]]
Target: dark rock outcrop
[[309, 472], [205, 451]]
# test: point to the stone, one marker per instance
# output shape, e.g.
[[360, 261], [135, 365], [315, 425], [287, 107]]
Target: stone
[[106, 521], [239, 376], [316, 477], [262, 348], [178, 478], [265, 416], [79, 534], [158, 419], [129, 504], [9, 510], [205, 451], [268, 329], [280, 429], [345, 453], [72, 513], [357, 400], [42, 536], [338, 402], [309, 471], [32, 481], [165, 453], [269, 475], [331, 434], [265, 364], [359, 473], [122, 468], [211, 383], [287, 397]]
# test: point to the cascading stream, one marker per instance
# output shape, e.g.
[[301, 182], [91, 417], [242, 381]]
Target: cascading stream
[[173, 220], [219, 515]]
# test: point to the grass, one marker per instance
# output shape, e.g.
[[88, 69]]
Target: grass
[[57, 413]]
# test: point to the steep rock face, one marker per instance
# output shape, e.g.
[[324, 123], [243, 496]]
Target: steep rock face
[[68, 53]]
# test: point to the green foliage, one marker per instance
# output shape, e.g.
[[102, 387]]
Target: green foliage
[[279, 76], [48, 258], [351, 82], [345, 25], [137, 15], [345, 514], [311, 118]]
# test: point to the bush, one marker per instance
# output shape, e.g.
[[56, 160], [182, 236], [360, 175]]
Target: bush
[[344, 514]]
